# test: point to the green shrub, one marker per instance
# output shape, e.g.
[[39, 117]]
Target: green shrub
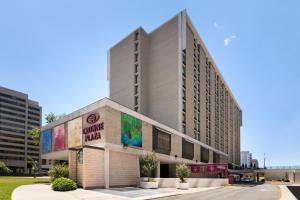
[[58, 171], [148, 164], [4, 169], [63, 184], [182, 171]]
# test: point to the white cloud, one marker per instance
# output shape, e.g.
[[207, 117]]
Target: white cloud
[[228, 40], [217, 26]]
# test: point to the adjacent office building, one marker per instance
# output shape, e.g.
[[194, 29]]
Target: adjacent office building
[[18, 115], [246, 158], [169, 76]]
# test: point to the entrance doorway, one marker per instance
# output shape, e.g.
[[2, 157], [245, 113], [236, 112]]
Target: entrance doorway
[[164, 171]]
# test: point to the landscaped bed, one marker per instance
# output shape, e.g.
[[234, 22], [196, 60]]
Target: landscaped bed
[[9, 183]]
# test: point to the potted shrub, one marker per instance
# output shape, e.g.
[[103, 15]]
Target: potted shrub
[[182, 172], [148, 165]]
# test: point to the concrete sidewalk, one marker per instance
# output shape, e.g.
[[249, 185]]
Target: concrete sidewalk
[[286, 193], [44, 191]]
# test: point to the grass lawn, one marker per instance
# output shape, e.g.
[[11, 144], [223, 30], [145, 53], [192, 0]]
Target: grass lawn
[[9, 183]]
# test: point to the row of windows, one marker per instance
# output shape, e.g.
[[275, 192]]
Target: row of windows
[[208, 103], [12, 108], [12, 97], [136, 71], [12, 141], [12, 147], [33, 113], [12, 152], [12, 114], [184, 91], [16, 103], [11, 119], [34, 118], [12, 135], [196, 90], [12, 124], [11, 158], [11, 130], [34, 108]]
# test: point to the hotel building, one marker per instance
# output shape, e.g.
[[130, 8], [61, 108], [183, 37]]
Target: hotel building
[[18, 115], [166, 96], [169, 76]]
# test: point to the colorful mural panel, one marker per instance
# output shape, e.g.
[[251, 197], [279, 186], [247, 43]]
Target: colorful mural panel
[[131, 130], [47, 141], [59, 138], [75, 133]]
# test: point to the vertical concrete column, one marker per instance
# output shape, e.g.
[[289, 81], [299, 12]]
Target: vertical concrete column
[[138, 173], [158, 169], [72, 165], [106, 168]]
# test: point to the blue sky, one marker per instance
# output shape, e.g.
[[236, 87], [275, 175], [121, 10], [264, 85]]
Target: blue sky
[[56, 51]]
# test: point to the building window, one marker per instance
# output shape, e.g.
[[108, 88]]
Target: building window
[[187, 149], [204, 155], [136, 36], [135, 79], [136, 68], [135, 100], [136, 57], [161, 141], [136, 46], [135, 89]]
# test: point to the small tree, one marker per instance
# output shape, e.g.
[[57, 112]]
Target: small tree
[[58, 171], [35, 134], [148, 164], [50, 117], [4, 169], [182, 172], [34, 165]]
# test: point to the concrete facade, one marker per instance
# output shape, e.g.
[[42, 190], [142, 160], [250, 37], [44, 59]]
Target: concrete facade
[[169, 76], [106, 161], [18, 115]]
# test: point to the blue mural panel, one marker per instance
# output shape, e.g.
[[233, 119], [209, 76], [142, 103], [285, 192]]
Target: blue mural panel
[[47, 141]]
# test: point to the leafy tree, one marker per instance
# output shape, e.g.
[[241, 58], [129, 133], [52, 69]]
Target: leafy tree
[[148, 164], [34, 165], [4, 169], [58, 171], [50, 117], [35, 134]]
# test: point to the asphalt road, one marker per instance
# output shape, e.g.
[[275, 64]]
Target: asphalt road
[[237, 192]]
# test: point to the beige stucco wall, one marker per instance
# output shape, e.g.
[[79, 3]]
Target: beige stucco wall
[[93, 168], [147, 136], [176, 145], [112, 126], [123, 169]]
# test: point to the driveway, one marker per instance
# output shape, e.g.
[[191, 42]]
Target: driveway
[[238, 192]]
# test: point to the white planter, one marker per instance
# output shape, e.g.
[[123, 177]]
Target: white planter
[[148, 185], [183, 186]]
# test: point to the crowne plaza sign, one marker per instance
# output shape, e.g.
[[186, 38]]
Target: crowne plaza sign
[[93, 127]]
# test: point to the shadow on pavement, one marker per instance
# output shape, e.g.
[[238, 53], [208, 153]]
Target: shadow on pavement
[[295, 190], [244, 184]]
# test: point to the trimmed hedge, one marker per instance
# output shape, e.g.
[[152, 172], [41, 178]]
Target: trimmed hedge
[[63, 184]]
